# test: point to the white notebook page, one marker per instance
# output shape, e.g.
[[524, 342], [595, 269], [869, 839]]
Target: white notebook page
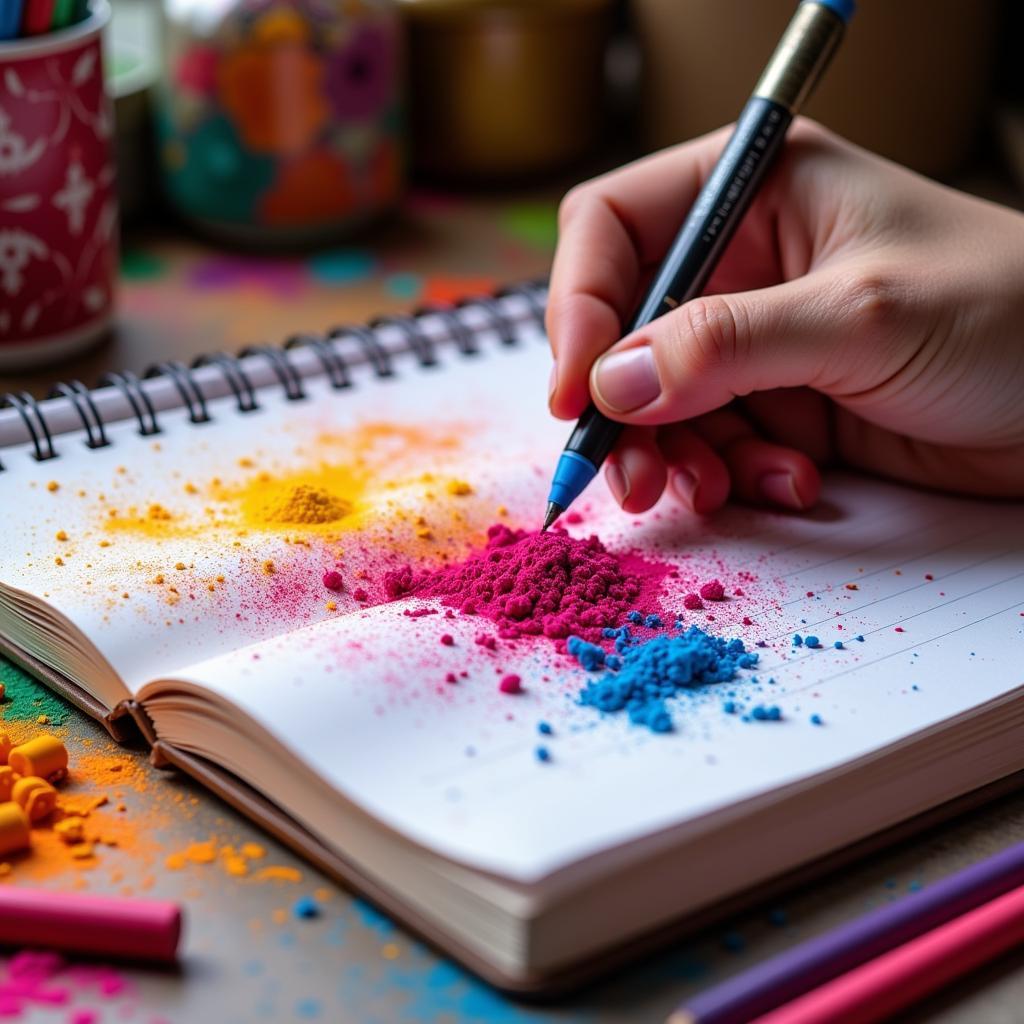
[[361, 694]]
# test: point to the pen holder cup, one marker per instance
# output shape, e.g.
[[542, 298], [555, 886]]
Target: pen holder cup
[[58, 205]]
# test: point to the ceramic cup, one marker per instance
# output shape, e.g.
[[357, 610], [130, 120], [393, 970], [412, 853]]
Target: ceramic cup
[[58, 208]]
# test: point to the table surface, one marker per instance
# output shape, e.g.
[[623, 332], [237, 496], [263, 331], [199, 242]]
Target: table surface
[[248, 955]]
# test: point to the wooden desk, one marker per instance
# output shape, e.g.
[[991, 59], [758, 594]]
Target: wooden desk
[[247, 956]]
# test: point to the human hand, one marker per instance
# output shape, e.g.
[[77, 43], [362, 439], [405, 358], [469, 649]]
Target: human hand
[[861, 314]]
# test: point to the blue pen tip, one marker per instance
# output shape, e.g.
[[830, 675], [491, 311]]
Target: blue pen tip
[[572, 474], [844, 8]]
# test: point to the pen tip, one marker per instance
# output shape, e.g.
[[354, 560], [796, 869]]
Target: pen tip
[[553, 512]]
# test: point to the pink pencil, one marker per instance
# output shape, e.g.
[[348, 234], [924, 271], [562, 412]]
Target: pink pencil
[[896, 979], [96, 925]]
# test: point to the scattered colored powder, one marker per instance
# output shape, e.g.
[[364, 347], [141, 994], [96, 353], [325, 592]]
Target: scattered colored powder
[[304, 505], [692, 603], [798, 640], [332, 581], [544, 729], [278, 873], [533, 584], [511, 683], [838, 645], [306, 907], [713, 591], [543, 754], [816, 719], [447, 640], [859, 638], [657, 669], [812, 642], [34, 982], [766, 714]]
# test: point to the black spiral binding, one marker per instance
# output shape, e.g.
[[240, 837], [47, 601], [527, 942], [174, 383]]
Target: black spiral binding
[[333, 363], [236, 378], [38, 430], [188, 389], [131, 387], [419, 342], [80, 396], [499, 320], [282, 367], [461, 334], [375, 351]]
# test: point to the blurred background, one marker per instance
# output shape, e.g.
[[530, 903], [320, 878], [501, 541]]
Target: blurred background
[[285, 165]]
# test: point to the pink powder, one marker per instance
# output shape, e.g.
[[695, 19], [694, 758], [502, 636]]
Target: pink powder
[[713, 591], [447, 639], [692, 602], [333, 581], [533, 584], [511, 684]]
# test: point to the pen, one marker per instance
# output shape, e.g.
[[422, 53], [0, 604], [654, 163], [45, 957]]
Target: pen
[[38, 17], [794, 69], [10, 19]]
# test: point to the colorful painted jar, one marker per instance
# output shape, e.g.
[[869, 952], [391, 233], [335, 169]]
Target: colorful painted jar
[[280, 120]]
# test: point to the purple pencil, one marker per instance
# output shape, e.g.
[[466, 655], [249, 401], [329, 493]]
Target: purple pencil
[[798, 970]]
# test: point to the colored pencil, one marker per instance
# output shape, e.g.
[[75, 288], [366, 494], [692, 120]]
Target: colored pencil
[[10, 18], [811, 963], [38, 17], [96, 925], [898, 979], [63, 13]]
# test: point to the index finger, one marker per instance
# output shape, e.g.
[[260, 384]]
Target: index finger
[[610, 229]]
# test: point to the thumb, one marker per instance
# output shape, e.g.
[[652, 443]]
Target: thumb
[[717, 347]]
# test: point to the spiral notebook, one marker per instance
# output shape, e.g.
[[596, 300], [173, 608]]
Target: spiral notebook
[[148, 573]]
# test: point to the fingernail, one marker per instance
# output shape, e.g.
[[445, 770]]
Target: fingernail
[[627, 380], [552, 382], [685, 485], [780, 488], [618, 482]]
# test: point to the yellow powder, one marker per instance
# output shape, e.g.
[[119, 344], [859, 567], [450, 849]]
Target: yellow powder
[[53, 486], [62, 535], [269, 568], [278, 873], [459, 488], [304, 505], [253, 851], [157, 513]]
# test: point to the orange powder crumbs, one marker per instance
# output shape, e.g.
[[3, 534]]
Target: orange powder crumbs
[[157, 513], [253, 851], [158, 579], [459, 488], [390, 951], [82, 851], [180, 566], [53, 486], [304, 505], [191, 489], [331, 606], [278, 873], [201, 853], [58, 560], [61, 535], [269, 568]]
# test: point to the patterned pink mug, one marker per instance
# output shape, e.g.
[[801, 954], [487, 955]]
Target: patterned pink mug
[[58, 206]]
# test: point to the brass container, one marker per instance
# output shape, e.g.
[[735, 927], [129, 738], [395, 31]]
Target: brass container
[[912, 78], [499, 89]]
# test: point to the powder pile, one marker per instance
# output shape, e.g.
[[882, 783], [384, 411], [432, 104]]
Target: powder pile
[[537, 584], [650, 672], [36, 982], [304, 505]]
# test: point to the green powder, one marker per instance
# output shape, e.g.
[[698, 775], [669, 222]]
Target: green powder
[[25, 699]]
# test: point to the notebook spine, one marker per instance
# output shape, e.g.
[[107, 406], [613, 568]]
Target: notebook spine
[[173, 385]]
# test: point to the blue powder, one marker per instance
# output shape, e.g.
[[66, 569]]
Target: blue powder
[[635, 617], [859, 638], [306, 907], [590, 656], [613, 661], [653, 671], [653, 621], [543, 754], [816, 719], [730, 707], [812, 641], [838, 645], [769, 714], [798, 640], [544, 729]]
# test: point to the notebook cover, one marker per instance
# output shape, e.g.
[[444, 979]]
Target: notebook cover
[[284, 828]]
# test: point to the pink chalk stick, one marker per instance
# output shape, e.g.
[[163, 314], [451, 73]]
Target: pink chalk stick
[[876, 990], [97, 925]]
